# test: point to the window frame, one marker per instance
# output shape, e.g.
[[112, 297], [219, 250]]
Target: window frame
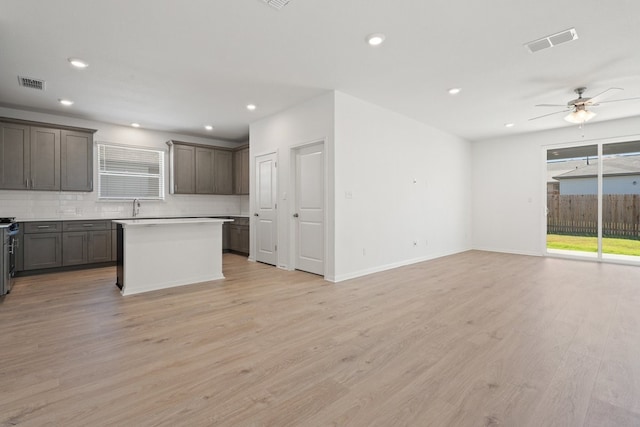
[[105, 172]]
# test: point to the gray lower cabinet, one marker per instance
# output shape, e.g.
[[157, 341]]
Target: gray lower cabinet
[[86, 247], [239, 235], [114, 244], [99, 246], [225, 237], [42, 250], [91, 245], [41, 245], [75, 248], [50, 244]]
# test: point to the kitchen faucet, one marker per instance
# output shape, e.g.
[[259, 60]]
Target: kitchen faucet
[[136, 207]]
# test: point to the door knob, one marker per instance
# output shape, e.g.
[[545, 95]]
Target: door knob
[[295, 215], [255, 214]]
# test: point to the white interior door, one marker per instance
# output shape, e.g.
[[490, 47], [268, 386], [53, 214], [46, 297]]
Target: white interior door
[[309, 213], [266, 213]]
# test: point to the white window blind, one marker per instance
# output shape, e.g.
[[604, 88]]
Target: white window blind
[[130, 173]]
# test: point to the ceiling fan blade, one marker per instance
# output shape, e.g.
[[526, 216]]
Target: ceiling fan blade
[[551, 105], [618, 100], [550, 114], [596, 99]]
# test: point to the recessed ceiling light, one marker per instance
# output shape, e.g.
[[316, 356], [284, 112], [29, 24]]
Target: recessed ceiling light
[[375, 39], [251, 107], [509, 125], [454, 90], [65, 102], [135, 125], [78, 63], [208, 127]]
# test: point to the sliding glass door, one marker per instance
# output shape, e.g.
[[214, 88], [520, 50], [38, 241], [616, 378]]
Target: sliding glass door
[[621, 201], [572, 201], [593, 201]]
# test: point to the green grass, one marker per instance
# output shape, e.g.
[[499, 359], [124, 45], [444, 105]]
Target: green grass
[[590, 244]]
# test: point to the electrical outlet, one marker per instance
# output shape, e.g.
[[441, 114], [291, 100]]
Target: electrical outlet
[[364, 252]]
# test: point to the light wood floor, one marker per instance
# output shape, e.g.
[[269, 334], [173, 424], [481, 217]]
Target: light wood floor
[[475, 339]]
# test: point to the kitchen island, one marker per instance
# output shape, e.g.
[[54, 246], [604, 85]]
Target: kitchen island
[[163, 253]]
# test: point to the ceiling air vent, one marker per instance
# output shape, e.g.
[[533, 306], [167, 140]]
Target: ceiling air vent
[[277, 4], [552, 40], [31, 83]]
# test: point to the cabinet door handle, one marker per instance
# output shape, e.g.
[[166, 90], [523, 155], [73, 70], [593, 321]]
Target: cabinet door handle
[[43, 226], [87, 225]]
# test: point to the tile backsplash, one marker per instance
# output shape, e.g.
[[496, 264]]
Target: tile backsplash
[[26, 205]]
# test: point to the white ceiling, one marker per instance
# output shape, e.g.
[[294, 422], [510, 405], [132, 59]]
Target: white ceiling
[[178, 65]]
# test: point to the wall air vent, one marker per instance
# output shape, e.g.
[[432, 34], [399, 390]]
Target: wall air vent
[[552, 40], [277, 4], [31, 83]]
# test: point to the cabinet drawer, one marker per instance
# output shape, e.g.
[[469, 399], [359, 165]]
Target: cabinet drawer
[[42, 227], [86, 225]]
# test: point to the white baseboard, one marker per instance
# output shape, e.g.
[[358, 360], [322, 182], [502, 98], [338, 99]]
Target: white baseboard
[[377, 269], [508, 251]]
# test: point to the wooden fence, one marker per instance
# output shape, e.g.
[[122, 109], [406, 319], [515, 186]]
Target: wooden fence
[[578, 214]]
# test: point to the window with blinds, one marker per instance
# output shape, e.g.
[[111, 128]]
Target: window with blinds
[[130, 173]]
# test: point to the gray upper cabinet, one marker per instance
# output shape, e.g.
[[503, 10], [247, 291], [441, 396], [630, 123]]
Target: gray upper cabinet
[[241, 171], [34, 157], [45, 159], [14, 156], [197, 169], [205, 179], [223, 171], [183, 169], [76, 161]]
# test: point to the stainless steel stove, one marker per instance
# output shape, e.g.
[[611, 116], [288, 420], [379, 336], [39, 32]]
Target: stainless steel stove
[[8, 239]]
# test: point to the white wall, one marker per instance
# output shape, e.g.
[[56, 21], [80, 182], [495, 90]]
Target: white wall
[[396, 181], [70, 205], [509, 183], [305, 123]]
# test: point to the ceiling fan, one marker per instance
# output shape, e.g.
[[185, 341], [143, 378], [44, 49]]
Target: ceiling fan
[[577, 108]]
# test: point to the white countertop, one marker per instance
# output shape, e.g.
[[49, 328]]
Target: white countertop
[[165, 221], [5, 225]]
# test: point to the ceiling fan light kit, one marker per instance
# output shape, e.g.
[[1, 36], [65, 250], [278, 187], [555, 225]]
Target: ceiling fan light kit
[[580, 116]]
